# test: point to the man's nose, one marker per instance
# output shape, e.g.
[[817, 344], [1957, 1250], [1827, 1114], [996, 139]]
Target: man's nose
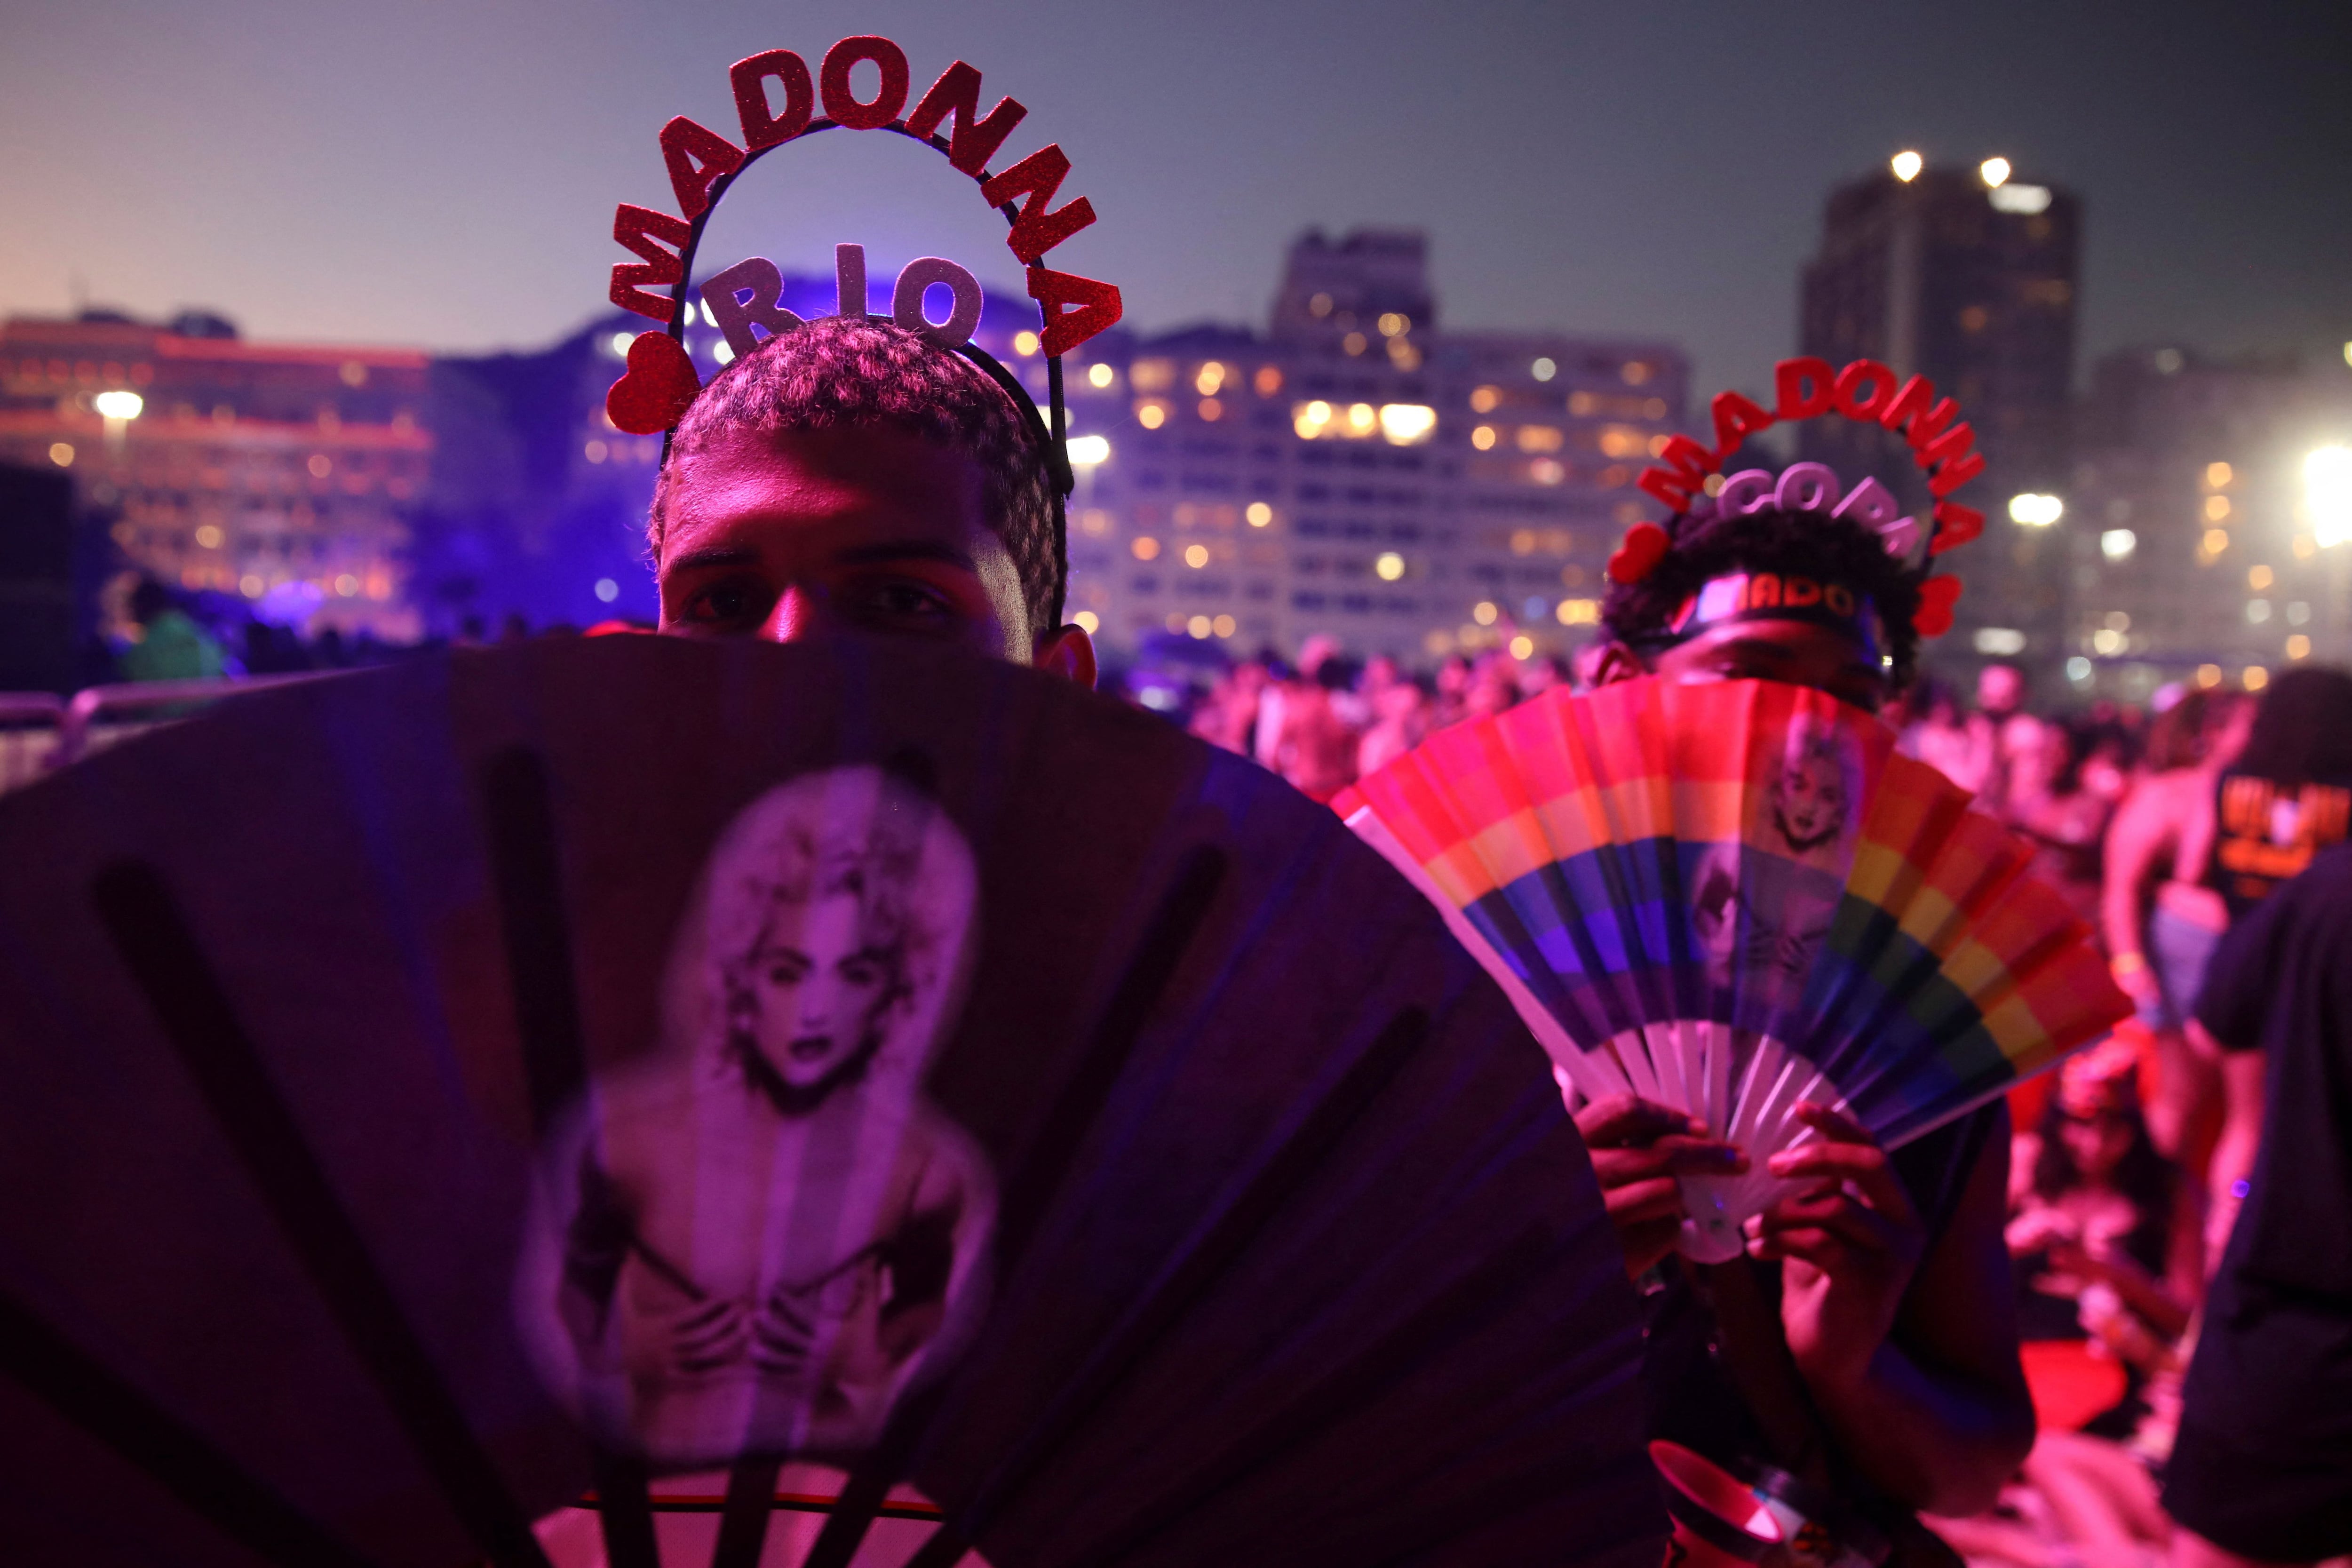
[[802, 611]]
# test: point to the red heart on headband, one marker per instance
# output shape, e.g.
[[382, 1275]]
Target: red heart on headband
[[1644, 545], [1933, 619], [659, 384]]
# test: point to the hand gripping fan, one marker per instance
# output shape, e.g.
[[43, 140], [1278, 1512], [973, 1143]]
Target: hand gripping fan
[[436, 1093], [1727, 898]]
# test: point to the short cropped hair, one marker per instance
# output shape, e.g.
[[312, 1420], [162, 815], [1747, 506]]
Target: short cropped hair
[[1707, 544], [837, 372]]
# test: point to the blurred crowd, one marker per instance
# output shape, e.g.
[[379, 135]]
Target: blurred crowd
[[173, 636], [2128, 1169]]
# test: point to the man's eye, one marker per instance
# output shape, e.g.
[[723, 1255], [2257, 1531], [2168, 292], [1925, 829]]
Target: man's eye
[[729, 603], [904, 601]]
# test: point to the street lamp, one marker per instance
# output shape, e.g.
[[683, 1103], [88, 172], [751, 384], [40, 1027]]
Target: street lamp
[[2036, 511], [1907, 164], [118, 406]]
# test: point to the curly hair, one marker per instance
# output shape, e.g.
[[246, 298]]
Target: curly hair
[[835, 372], [1707, 544]]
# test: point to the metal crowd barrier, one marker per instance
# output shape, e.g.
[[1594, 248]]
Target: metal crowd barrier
[[40, 732]]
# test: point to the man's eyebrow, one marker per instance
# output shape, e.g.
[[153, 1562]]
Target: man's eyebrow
[[858, 555], [714, 555], [906, 550]]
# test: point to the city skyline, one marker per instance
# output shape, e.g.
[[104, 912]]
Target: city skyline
[[1578, 170]]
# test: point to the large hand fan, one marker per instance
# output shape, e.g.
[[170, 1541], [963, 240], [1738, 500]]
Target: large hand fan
[[433, 1094], [1730, 897]]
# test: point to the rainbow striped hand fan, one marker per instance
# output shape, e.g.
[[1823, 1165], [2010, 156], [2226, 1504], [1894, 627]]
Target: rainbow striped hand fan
[[1732, 897]]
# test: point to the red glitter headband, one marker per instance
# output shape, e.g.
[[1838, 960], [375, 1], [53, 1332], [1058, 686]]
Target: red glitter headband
[[661, 380], [1865, 392], [1942, 445]]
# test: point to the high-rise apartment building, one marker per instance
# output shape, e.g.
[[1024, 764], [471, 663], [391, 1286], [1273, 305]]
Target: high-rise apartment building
[[2197, 553], [278, 472], [1969, 278], [1359, 473]]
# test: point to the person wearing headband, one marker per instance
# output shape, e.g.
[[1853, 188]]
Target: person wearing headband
[[850, 474], [1868, 1340], [1769, 594]]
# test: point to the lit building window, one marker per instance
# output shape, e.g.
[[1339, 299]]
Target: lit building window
[[1088, 622], [1482, 438], [2259, 578], [1145, 547], [1100, 375], [2253, 677], [2209, 675], [2117, 543], [1150, 416], [2216, 508], [2257, 611], [1223, 625], [1578, 612], [1543, 369], [1485, 613], [1268, 380], [1354, 343], [1200, 626], [1394, 325], [1548, 472], [1635, 372], [2216, 540], [1153, 375], [1209, 378], [2217, 476], [1407, 424], [1211, 410], [1196, 556], [1025, 343], [2298, 647], [1388, 566], [1260, 515], [595, 451], [1543, 438], [1523, 646], [1486, 400], [61, 453]]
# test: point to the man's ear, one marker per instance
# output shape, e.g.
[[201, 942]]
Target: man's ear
[[1617, 662], [1069, 653]]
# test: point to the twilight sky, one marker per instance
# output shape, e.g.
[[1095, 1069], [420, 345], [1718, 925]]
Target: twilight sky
[[443, 174]]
